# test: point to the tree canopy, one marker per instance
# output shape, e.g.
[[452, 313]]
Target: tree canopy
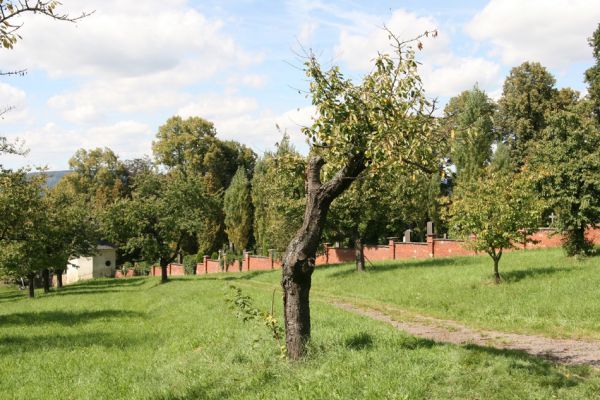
[[565, 165], [494, 212]]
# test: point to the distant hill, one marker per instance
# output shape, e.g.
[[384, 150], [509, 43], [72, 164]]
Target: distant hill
[[52, 176]]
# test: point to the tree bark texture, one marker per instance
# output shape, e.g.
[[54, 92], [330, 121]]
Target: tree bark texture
[[59, 282], [360, 254], [31, 285], [496, 259], [164, 276], [299, 259], [46, 280]]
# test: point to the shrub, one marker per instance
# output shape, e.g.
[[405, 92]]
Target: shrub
[[189, 263]]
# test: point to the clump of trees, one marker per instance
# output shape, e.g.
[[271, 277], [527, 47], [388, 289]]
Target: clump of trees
[[42, 228]]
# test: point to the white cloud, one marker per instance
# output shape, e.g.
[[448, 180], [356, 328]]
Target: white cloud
[[129, 57], [552, 32], [13, 104], [211, 106], [307, 31], [260, 131], [461, 73], [444, 73], [119, 40], [55, 144], [358, 48], [255, 81]]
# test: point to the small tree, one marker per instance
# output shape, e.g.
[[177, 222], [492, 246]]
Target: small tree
[[237, 206], [495, 212], [163, 211], [69, 232]]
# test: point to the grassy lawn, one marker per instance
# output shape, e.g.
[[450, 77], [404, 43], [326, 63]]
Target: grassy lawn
[[136, 339], [543, 291]]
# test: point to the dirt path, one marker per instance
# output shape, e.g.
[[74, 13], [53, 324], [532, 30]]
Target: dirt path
[[564, 351]]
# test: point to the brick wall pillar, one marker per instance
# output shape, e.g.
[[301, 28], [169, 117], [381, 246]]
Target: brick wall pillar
[[431, 245], [327, 245], [431, 239], [205, 261], [392, 245], [247, 256]]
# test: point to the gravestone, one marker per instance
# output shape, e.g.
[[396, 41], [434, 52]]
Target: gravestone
[[430, 228]]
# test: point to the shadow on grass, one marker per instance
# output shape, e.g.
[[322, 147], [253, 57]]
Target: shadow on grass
[[518, 275], [521, 362], [67, 318], [248, 276], [94, 284], [400, 265], [10, 296], [18, 344], [360, 341], [100, 286]]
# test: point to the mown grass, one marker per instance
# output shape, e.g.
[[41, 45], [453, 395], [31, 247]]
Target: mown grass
[[137, 339], [542, 292]]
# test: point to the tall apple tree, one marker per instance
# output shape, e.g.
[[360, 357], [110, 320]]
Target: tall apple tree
[[359, 127]]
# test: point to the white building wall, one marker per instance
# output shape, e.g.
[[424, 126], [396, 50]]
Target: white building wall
[[104, 263], [79, 269], [101, 265]]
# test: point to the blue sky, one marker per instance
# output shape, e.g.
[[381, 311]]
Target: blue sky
[[112, 79]]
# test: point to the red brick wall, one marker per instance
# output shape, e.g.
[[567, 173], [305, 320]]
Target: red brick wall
[[213, 266], [377, 253], [172, 270], [119, 274], [339, 255], [257, 263], [176, 269], [449, 248], [545, 238], [594, 235], [200, 268], [411, 250], [394, 250]]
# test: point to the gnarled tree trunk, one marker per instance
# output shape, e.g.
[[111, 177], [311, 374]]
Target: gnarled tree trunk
[[360, 254], [59, 274], [299, 259], [31, 284], [496, 259], [46, 280], [164, 276]]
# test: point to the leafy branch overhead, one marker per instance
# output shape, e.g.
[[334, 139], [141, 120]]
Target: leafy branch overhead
[[386, 117], [11, 10]]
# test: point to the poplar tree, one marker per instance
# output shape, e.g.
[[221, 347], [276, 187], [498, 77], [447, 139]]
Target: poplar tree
[[237, 206]]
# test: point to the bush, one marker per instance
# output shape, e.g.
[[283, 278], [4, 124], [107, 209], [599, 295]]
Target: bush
[[126, 267], [141, 268], [189, 263], [575, 243]]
